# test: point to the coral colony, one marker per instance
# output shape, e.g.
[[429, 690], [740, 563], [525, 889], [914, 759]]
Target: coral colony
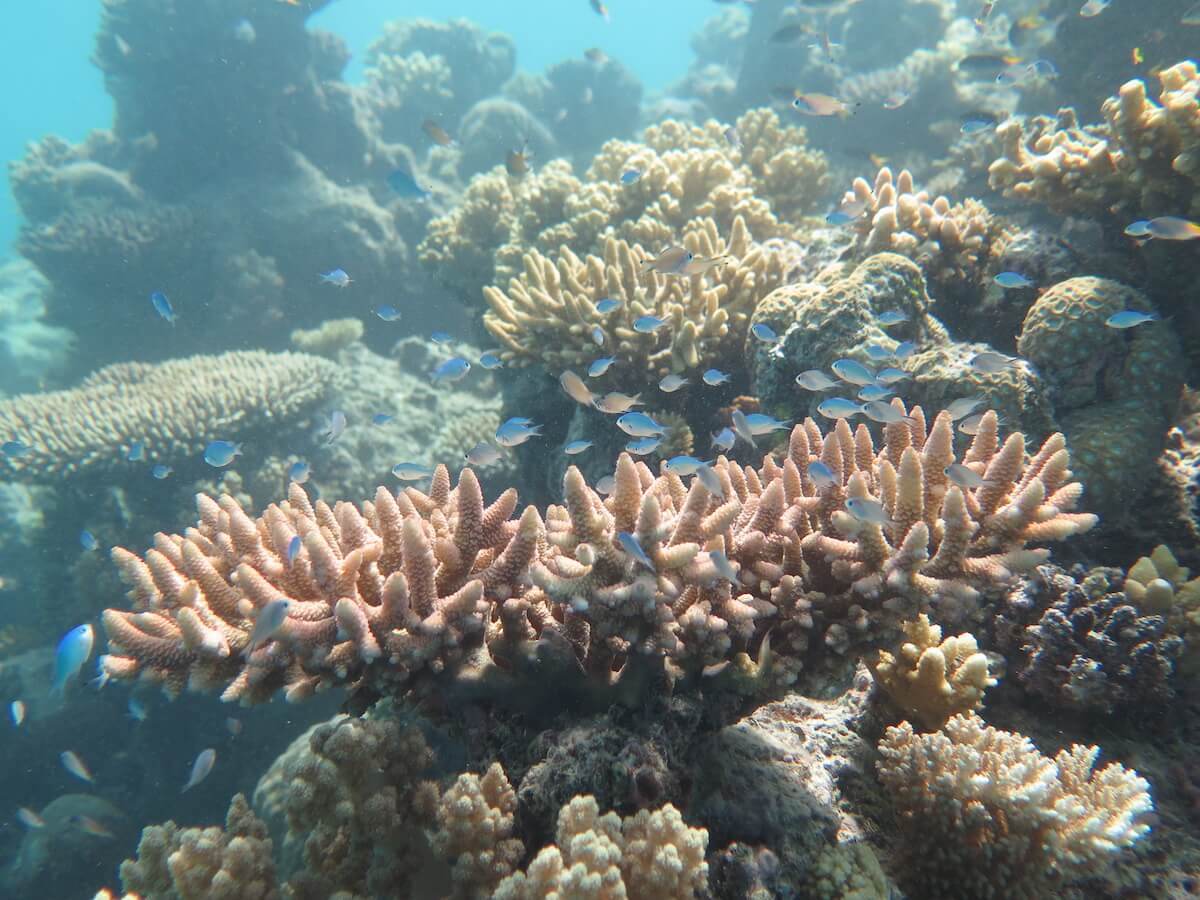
[[663, 487]]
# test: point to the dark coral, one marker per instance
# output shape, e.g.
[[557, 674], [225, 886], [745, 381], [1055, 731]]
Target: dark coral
[[1090, 650]]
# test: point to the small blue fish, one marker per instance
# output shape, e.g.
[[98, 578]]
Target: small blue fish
[[1012, 280], [1139, 229], [865, 510], [821, 474], [671, 383], [638, 424], [163, 307], [441, 337], [989, 362], [642, 446], [891, 375], [648, 324], [630, 176], [1129, 318], [891, 317], [451, 370], [723, 566], [515, 432], [764, 333], [904, 350], [387, 313], [161, 471], [409, 471], [714, 377], [600, 366], [877, 353], [874, 392], [221, 453], [14, 449], [965, 478], [88, 541], [815, 380], [741, 427], [724, 439], [405, 185], [853, 372], [489, 361], [598, 335], [878, 411], [975, 123], [200, 768], [708, 477], [684, 465], [838, 408], [73, 651], [575, 447], [336, 277], [381, 419], [607, 305], [293, 548], [760, 423], [136, 451], [299, 471], [337, 426], [837, 218], [631, 546], [482, 454]]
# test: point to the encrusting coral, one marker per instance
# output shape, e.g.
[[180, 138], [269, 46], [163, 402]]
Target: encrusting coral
[[1145, 159], [173, 408], [984, 815], [933, 679], [419, 585], [176, 863], [549, 313], [650, 854]]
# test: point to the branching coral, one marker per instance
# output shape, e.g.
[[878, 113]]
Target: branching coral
[[650, 854], [1145, 161], [548, 315], [411, 586], [984, 814], [173, 408], [176, 863], [933, 679]]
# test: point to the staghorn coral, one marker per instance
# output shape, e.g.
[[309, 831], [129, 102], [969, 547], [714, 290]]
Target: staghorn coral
[[1144, 161], [176, 863], [174, 408], [411, 586], [984, 814], [687, 173], [549, 313], [475, 827], [950, 242], [650, 854], [933, 679]]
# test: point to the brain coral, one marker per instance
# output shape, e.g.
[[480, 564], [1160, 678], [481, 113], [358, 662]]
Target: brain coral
[[174, 408]]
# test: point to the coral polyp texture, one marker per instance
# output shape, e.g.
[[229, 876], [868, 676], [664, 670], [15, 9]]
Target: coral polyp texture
[[1145, 159], [983, 814], [417, 586], [173, 408], [548, 314]]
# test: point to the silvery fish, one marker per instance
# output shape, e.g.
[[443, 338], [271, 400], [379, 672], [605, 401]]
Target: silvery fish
[[336, 277], [221, 453], [642, 446], [708, 477], [575, 388], [638, 424], [600, 366], [269, 620], [515, 432], [163, 307], [299, 471], [759, 423], [137, 450], [970, 425], [963, 406], [877, 353], [16, 710], [865, 510], [387, 313], [598, 335], [879, 411], [671, 383], [615, 402], [853, 372], [714, 377], [723, 566], [904, 350], [411, 471], [1129, 318], [891, 375], [684, 465], [741, 427], [874, 392], [607, 305], [630, 545], [200, 768], [891, 317], [815, 380], [74, 764], [576, 447], [381, 419], [821, 474], [489, 361], [29, 818], [839, 408], [606, 485], [672, 261], [764, 332], [454, 369], [161, 471], [724, 439], [648, 324], [482, 454], [293, 548], [72, 652], [88, 541], [337, 426], [989, 362], [963, 476]]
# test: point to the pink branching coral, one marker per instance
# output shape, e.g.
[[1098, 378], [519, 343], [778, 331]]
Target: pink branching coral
[[416, 586]]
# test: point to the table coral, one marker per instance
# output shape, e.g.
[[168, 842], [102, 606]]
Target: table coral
[[415, 585], [650, 854], [548, 315], [984, 814], [176, 863], [174, 408], [933, 679], [1144, 161]]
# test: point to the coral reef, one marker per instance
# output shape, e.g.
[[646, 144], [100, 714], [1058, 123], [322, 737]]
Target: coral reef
[[650, 854], [176, 863], [984, 814], [1144, 161], [475, 827], [174, 408], [932, 679], [549, 314]]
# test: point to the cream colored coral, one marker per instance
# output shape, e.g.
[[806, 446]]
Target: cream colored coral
[[174, 408], [328, 338], [548, 315], [474, 833], [930, 678], [651, 854], [1155, 584], [984, 814]]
